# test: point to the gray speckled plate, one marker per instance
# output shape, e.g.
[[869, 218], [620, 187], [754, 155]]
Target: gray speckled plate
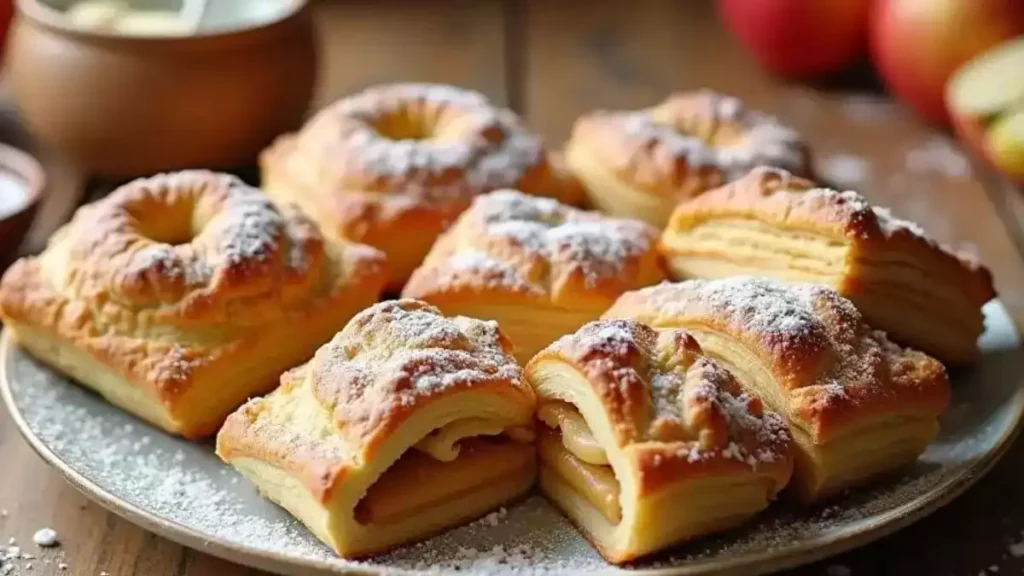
[[182, 491]]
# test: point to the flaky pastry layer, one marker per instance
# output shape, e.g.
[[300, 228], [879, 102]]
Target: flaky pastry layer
[[405, 424], [392, 166], [807, 352], [539, 268], [640, 163], [687, 453], [772, 223], [179, 296]]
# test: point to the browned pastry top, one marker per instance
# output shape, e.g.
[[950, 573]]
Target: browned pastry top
[[817, 348], [509, 245], [390, 361], [690, 142], [679, 409], [783, 199], [184, 262], [401, 148]]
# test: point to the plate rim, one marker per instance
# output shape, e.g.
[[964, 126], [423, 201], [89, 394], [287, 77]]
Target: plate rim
[[764, 562]]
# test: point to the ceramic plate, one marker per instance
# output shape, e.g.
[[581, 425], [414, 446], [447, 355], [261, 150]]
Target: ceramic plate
[[182, 491]]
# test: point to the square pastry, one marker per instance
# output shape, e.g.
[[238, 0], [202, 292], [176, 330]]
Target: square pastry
[[857, 405], [646, 442], [407, 423], [539, 268], [774, 224], [178, 297]]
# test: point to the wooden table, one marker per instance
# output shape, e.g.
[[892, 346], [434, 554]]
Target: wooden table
[[552, 60]]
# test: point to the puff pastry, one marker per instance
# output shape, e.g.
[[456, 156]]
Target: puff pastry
[[540, 268], [857, 404], [640, 163], [179, 296], [405, 424], [646, 442], [771, 223], [393, 166]]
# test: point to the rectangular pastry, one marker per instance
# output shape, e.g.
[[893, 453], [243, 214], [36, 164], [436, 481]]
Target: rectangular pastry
[[772, 223], [405, 424], [857, 404], [178, 297], [539, 268], [646, 442]]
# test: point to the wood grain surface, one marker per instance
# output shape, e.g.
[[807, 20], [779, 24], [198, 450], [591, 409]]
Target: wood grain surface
[[552, 61]]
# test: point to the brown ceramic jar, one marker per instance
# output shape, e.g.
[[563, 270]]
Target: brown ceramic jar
[[119, 105]]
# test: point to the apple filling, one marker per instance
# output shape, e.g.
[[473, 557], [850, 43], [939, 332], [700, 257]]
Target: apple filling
[[450, 464], [574, 455]]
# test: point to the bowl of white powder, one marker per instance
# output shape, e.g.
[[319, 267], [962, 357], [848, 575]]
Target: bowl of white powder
[[21, 187]]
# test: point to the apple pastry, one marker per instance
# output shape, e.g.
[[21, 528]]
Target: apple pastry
[[539, 268], [646, 442], [857, 405], [178, 297], [639, 164], [393, 165], [407, 423], [772, 223]]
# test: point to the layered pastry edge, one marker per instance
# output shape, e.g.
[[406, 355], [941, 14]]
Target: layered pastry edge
[[122, 313], [403, 459], [645, 443], [776, 224], [857, 405]]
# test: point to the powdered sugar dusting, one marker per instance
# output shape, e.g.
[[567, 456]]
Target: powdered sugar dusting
[[679, 380], [225, 229], [760, 306], [798, 322], [765, 140], [397, 351], [462, 131], [888, 224], [106, 446], [596, 245], [491, 271]]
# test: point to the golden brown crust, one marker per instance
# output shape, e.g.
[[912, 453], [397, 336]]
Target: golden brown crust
[[404, 160], [833, 369], [509, 247], [389, 362], [675, 412], [689, 143], [779, 198], [171, 278]]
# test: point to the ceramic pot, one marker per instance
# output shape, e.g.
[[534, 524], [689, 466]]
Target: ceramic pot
[[121, 106]]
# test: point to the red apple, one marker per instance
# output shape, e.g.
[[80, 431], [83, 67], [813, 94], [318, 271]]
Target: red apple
[[918, 44], [800, 38]]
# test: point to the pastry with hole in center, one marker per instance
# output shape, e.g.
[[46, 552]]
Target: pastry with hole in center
[[858, 405], [640, 163], [178, 297], [772, 223], [539, 268], [407, 423], [646, 442], [392, 166]]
